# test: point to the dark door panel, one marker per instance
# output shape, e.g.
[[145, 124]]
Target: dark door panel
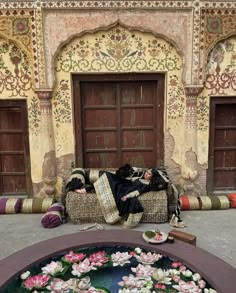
[[222, 145], [14, 149], [119, 119]]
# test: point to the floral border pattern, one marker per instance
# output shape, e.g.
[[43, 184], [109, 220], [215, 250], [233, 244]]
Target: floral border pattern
[[34, 116], [61, 103]]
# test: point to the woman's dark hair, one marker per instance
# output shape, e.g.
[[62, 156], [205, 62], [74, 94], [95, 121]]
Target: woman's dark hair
[[125, 171], [157, 182]]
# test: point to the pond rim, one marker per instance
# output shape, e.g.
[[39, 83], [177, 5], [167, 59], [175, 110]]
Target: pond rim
[[219, 274]]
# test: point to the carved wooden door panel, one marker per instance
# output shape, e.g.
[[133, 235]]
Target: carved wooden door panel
[[222, 146], [14, 149], [121, 120]]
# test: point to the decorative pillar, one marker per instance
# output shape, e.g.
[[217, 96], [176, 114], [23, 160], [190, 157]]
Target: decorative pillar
[[189, 164], [49, 167]]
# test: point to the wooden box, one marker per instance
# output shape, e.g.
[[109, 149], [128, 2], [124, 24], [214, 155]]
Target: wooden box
[[183, 236]]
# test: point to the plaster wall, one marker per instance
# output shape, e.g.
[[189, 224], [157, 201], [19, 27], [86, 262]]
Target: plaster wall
[[61, 26]]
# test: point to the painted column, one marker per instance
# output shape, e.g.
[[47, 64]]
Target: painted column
[[49, 167], [190, 159]]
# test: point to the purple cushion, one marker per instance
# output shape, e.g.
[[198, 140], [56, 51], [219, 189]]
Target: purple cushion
[[53, 216], [10, 205]]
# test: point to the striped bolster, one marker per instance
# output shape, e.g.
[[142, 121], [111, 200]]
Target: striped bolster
[[189, 202], [214, 202]]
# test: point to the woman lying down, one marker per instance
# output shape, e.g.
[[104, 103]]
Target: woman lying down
[[118, 196]]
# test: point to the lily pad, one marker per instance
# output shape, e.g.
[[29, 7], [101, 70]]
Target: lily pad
[[102, 290]]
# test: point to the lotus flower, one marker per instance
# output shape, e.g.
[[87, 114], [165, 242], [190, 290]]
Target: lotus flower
[[37, 281], [187, 287], [161, 276], [148, 258], [132, 282], [82, 267], [59, 286], [25, 275], [143, 271], [120, 258], [98, 258], [53, 268], [74, 257]]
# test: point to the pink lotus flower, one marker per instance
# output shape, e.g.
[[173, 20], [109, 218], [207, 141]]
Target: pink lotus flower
[[82, 268], [187, 287], [120, 258], [98, 258], [160, 286], [37, 281], [182, 268], [74, 257], [53, 268], [202, 284], [133, 282], [143, 271], [148, 258], [60, 286], [176, 264]]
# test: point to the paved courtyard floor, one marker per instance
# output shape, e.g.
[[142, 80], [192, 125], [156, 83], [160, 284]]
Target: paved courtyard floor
[[215, 231]]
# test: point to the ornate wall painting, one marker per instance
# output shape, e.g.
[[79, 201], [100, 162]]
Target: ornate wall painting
[[220, 81], [16, 83], [117, 50]]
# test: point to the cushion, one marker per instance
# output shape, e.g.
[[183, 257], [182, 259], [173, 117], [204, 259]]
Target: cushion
[[36, 205], [232, 198], [10, 205], [189, 202], [214, 202], [53, 216]]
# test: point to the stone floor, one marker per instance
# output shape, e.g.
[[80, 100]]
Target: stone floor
[[215, 231]]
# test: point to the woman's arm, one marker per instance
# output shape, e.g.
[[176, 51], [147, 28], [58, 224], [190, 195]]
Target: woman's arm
[[134, 193]]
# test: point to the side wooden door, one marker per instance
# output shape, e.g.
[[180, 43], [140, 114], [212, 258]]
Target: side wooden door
[[14, 149], [119, 119], [222, 145]]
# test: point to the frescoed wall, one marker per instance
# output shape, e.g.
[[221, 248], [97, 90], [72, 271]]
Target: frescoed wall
[[220, 81], [43, 42], [117, 50]]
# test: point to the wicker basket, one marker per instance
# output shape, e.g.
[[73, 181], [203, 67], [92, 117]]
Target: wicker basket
[[85, 208]]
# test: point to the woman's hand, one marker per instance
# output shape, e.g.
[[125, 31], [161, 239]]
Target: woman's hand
[[82, 190], [124, 198]]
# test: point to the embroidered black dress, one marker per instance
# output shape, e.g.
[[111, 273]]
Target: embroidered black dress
[[110, 188]]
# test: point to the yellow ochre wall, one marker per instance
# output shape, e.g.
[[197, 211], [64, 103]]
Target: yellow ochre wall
[[42, 44]]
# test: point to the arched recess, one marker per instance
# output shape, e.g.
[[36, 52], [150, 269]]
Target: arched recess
[[16, 95], [117, 49], [216, 112], [208, 52]]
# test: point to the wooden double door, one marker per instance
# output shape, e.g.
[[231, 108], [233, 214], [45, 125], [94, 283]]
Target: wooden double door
[[119, 119], [222, 145], [14, 149]]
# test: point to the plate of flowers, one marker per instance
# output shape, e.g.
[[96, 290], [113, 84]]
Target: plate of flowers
[[154, 236]]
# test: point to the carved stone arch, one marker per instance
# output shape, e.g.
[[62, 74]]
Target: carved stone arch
[[107, 28]]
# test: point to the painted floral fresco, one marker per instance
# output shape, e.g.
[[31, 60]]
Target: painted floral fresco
[[14, 70], [220, 81], [34, 116], [112, 51]]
